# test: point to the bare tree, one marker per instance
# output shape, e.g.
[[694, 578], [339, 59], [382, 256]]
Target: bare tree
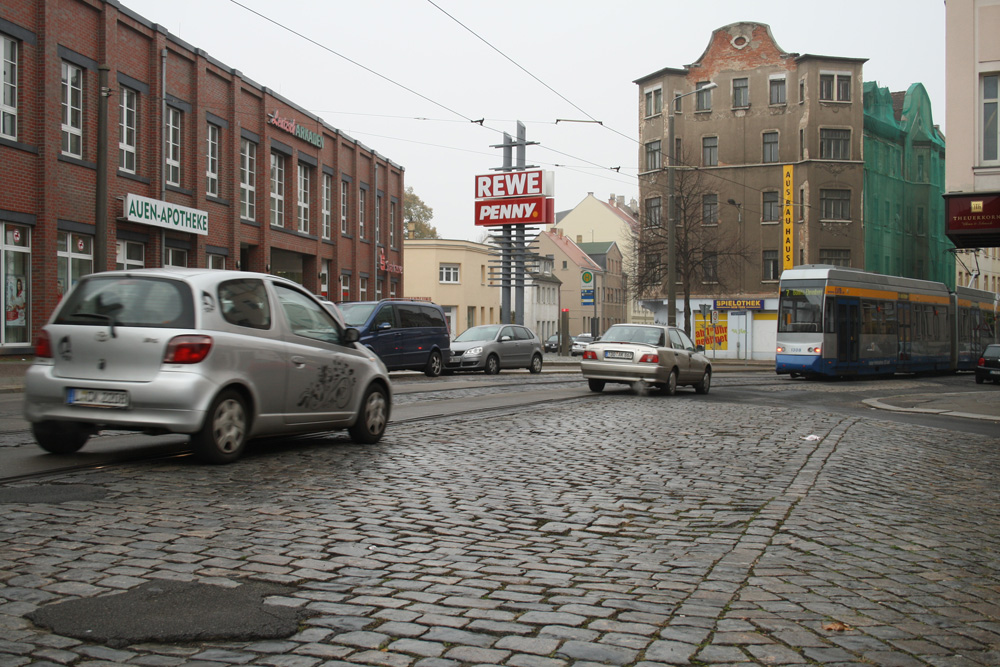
[[709, 256]]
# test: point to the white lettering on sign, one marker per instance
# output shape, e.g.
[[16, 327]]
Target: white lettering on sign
[[506, 211], [511, 184], [524, 210]]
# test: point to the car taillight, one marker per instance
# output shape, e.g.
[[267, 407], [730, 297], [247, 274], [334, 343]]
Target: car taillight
[[650, 358], [43, 346], [589, 354], [187, 349], [982, 360]]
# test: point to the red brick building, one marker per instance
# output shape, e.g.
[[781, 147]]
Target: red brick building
[[204, 168]]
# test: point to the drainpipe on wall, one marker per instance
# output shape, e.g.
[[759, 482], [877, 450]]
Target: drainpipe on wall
[[163, 148]]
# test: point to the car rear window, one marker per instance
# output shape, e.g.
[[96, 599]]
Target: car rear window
[[128, 301]]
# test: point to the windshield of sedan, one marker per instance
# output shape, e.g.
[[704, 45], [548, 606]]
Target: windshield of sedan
[[488, 332], [626, 334]]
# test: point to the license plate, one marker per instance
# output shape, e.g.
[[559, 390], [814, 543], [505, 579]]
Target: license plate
[[617, 354], [97, 398], [995, 372]]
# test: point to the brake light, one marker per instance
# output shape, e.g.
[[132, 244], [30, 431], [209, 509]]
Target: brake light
[[815, 350], [781, 348], [982, 361], [187, 349], [651, 358], [589, 354], [43, 346]]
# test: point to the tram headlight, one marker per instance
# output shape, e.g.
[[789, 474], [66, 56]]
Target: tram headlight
[[815, 350], [781, 349]]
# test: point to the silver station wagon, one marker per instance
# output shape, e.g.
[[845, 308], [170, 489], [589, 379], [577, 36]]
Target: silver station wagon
[[224, 356], [646, 354]]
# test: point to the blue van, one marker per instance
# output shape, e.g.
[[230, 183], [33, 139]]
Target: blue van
[[404, 333]]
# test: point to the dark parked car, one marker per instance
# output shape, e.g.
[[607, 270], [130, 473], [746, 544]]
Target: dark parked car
[[989, 365], [552, 343], [405, 334]]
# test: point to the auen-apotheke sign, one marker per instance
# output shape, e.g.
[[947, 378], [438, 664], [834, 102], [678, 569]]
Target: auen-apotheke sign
[[164, 214], [291, 126]]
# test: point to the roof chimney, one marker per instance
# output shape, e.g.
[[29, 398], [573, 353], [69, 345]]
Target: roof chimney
[[621, 201]]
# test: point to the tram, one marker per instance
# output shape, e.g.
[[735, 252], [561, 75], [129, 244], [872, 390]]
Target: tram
[[839, 321]]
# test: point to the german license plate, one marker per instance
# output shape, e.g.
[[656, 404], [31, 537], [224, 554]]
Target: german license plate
[[994, 372], [617, 354], [97, 398]]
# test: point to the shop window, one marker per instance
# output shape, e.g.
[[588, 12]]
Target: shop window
[[131, 255], [75, 259], [17, 282]]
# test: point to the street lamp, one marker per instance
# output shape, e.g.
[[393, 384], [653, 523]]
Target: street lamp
[[671, 231]]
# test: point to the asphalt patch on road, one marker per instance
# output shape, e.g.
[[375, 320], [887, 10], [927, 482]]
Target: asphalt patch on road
[[51, 494], [174, 612]]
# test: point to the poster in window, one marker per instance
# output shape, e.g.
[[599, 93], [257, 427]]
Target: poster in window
[[15, 301]]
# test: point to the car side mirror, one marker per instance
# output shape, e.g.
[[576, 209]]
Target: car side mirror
[[383, 326], [504, 339], [351, 336], [699, 348]]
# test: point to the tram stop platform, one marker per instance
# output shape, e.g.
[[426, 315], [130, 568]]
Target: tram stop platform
[[984, 404]]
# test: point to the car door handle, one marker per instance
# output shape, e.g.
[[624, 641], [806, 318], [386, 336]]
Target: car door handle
[[299, 362]]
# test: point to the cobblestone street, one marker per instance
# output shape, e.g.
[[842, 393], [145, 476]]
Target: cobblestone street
[[633, 530]]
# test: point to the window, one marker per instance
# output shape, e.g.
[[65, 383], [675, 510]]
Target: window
[[277, 190], [131, 255], [212, 162], [345, 287], [770, 147], [771, 210], [741, 93], [173, 146], [710, 209], [176, 257], [991, 128], [327, 205], [831, 84], [704, 97], [654, 101], [448, 273], [771, 266], [709, 151], [75, 259], [677, 102], [835, 257], [8, 88], [653, 212], [802, 91], [777, 91], [128, 102], [362, 203], [378, 219], [16, 246], [248, 180], [72, 110], [392, 224], [835, 204], [834, 144], [652, 155], [304, 187], [345, 196], [710, 267], [363, 289], [216, 262]]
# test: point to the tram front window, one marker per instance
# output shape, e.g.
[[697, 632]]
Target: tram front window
[[800, 307]]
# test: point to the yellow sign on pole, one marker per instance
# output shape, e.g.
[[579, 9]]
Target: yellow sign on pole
[[787, 248]]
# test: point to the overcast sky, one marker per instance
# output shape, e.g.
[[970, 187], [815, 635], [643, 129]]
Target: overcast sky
[[407, 77]]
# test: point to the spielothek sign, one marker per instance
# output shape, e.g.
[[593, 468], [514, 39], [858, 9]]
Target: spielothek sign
[[515, 197]]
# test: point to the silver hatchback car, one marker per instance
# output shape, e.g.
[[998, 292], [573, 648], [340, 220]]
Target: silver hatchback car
[[224, 356], [490, 347]]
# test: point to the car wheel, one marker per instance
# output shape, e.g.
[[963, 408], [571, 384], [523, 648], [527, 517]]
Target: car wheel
[[372, 417], [223, 436], [434, 365], [536, 364], [596, 385], [492, 365], [670, 386], [980, 379], [705, 384], [60, 437]]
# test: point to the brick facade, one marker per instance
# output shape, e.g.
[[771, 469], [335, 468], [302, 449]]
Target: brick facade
[[48, 197]]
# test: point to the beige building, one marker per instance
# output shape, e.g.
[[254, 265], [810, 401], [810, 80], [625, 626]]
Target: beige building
[[972, 170], [455, 275], [769, 109], [568, 265], [594, 221]]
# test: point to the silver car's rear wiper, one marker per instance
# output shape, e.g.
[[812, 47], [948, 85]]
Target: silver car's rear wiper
[[99, 316]]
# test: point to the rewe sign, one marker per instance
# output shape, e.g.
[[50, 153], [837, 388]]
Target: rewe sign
[[515, 197]]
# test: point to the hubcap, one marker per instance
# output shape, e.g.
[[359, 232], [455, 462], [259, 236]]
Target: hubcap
[[375, 413], [229, 426]]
